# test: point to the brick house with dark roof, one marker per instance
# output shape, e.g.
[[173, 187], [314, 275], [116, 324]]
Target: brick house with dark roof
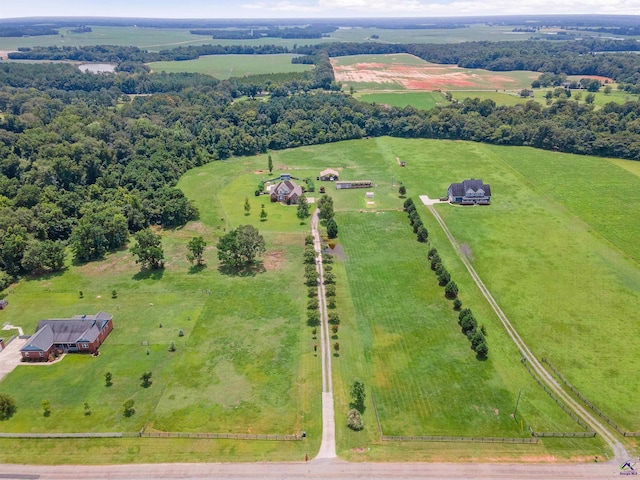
[[82, 333], [470, 192], [287, 192]]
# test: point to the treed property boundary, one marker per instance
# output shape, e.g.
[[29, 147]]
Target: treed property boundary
[[595, 409], [568, 411], [445, 438], [230, 436]]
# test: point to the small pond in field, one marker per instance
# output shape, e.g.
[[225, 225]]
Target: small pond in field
[[97, 67]]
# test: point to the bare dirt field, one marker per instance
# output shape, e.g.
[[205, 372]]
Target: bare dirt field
[[427, 76]]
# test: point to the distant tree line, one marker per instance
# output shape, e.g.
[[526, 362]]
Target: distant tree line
[[306, 32], [589, 56], [26, 30]]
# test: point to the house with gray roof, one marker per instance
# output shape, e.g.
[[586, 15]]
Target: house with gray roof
[[287, 192], [79, 334], [470, 192]]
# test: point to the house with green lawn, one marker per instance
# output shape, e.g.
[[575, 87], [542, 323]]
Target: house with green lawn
[[79, 334]]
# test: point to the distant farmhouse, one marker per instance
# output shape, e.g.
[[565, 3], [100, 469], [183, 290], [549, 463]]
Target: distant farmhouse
[[329, 175], [470, 192], [80, 334], [287, 192]]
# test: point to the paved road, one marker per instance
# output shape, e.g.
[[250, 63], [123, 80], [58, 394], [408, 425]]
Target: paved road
[[320, 470], [328, 444], [619, 450]]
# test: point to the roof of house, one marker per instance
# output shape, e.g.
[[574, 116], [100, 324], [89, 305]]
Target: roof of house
[[287, 187], [461, 189], [81, 328], [329, 171]]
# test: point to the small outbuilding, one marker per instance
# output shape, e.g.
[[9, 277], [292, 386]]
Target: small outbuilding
[[329, 175], [343, 185], [4, 304]]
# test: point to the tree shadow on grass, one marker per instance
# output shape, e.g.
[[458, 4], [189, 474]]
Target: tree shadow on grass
[[196, 268], [360, 407], [149, 274], [247, 270]]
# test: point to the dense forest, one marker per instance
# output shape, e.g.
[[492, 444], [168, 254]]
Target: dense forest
[[83, 163]]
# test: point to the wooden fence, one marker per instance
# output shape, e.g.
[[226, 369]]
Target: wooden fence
[[568, 411], [588, 403], [231, 436]]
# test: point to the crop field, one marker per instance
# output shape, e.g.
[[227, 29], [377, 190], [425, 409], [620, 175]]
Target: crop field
[[227, 66], [560, 259], [419, 100], [407, 72]]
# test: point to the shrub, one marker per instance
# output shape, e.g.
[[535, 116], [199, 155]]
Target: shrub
[[334, 329], [46, 408], [451, 289], [312, 304], [468, 325], [457, 304], [407, 203], [312, 292], [334, 318], [476, 339], [443, 277], [5, 280], [327, 258], [432, 252], [464, 313], [180, 333], [114, 294], [330, 291], [417, 225], [308, 240], [7, 406], [354, 420], [423, 234], [313, 318], [482, 350], [127, 408]]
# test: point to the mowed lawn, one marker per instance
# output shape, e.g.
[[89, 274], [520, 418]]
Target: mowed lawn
[[243, 363], [227, 66]]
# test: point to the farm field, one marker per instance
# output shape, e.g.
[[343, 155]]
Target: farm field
[[419, 100], [407, 72], [156, 39], [572, 253], [227, 66], [245, 363]]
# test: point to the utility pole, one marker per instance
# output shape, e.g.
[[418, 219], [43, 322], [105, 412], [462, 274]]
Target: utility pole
[[517, 401]]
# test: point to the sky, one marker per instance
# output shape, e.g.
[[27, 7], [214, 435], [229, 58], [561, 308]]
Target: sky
[[309, 8]]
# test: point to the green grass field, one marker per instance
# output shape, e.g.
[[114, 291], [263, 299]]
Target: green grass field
[[419, 100], [557, 253], [227, 66], [244, 364]]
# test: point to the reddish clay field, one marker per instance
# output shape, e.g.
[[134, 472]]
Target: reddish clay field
[[408, 72]]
